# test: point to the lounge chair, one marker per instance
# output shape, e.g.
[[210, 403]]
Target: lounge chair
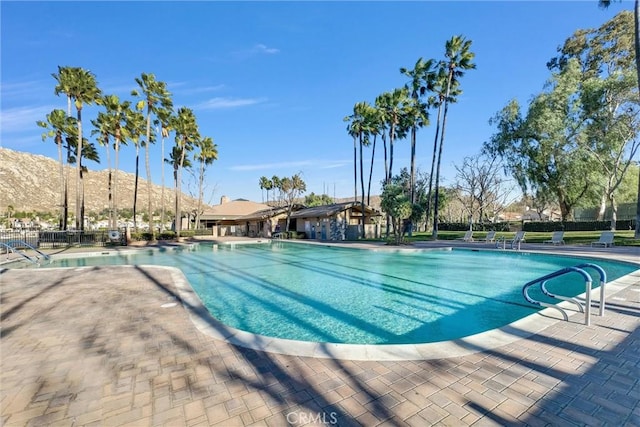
[[468, 236], [556, 239], [606, 239], [491, 237], [516, 241]]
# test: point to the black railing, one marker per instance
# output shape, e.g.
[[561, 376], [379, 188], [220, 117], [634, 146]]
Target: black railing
[[62, 239]]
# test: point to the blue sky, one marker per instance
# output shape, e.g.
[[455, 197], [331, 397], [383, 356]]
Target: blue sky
[[271, 82]]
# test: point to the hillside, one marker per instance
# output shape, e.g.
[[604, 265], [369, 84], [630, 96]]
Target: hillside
[[30, 183]]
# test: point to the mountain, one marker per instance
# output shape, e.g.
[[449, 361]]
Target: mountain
[[31, 183]]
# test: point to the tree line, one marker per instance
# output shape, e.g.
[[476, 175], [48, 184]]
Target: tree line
[[120, 123], [395, 115], [574, 145]]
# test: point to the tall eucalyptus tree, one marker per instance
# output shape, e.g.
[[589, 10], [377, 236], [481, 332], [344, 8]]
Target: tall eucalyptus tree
[[81, 87], [156, 97], [636, 43], [186, 134], [459, 59]]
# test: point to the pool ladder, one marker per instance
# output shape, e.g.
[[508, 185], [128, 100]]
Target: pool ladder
[[13, 245], [583, 308]]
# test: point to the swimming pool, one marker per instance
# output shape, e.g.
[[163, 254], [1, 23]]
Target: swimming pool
[[355, 296]]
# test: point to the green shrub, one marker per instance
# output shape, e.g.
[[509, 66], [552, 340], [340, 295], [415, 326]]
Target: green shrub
[[549, 226], [167, 235]]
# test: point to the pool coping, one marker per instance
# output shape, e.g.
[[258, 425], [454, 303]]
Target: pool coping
[[522, 328]]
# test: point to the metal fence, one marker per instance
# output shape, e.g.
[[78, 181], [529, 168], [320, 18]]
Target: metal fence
[[62, 239]]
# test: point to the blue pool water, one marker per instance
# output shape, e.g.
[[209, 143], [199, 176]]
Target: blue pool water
[[344, 295]]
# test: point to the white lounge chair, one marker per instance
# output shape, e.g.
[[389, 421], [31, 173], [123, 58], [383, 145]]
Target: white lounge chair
[[468, 236], [606, 239], [513, 243], [557, 238], [491, 237]]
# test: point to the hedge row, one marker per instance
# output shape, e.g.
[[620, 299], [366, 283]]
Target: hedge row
[[462, 226], [627, 224]]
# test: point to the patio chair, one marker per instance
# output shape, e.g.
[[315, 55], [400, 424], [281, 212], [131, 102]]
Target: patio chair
[[491, 237], [468, 236], [516, 241], [557, 238], [606, 239]]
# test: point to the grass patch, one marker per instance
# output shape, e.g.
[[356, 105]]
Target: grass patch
[[622, 238]]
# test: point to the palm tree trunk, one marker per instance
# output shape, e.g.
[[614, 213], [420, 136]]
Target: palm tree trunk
[[200, 193], [162, 211], [355, 170], [637, 46], [152, 228], [79, 219], [444, 123], [178, 192], [413, 165], [135, 188], [62, 186], [373, 154], [115, 180], [362, 187], [109, 183], [433, 164]]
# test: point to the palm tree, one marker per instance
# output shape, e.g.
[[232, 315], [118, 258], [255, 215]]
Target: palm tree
[[207, 155], [264, 182], [437, 84], [122, 115], [375, 127], [636, 8], [58, 126], [187, 133], [103, 125], [135, 129], [393, 106], [420, 74], [355, 128], [459, 59], [81, 86], [65, 80], [157, 97], [163, 119]]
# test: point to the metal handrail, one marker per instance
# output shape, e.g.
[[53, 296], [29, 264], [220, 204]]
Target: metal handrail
[[10, 247], [542, 280], [603, 282]]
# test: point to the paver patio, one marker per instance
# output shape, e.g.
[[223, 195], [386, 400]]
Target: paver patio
[[102, 346]]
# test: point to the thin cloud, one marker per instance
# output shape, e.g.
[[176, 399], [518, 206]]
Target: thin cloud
[[269, 166], [219, 103], [200, 89], [22, 90], [335, 164], [260, 48], [22, 118]]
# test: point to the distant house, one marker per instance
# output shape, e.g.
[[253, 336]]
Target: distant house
[[338, 221], [226, 219]]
